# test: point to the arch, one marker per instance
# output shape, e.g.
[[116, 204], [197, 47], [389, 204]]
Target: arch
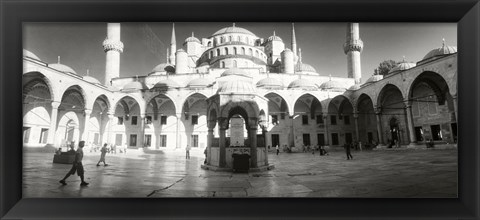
[[222, 64], [284, 105], [101, 98], [250, 51], [367, 120], [209, 44], [137, 100], [230, 38], [235, 52], [211, 54], [165, 96], [384, 92], [251, 107], [72, 97], [234, 64], [311, 102], [435, 81], [243, 51], [31, 79], [226, 50], [218, 52]]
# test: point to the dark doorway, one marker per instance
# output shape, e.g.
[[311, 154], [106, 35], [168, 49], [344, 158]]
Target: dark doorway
[[321, 139], [148, 140], [306, 139], [133, 140], [334, 139], [370, 137], [436, 132], [419, 134], [394, 130], [275, 140]]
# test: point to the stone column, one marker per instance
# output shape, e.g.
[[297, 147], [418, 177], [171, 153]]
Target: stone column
[[141, 138], [410, 125], [53, 124], [291, 135], [177, 134], [264, 133], [355, 116], [85, 130], [252, 133], [223, 126], [378, 114], [109, 128]]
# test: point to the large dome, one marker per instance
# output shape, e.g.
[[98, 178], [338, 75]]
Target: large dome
[[270, 83], [303, 84], [192, 39], [91, 80], [235, 72], [62, 68], [444, 50], [233, 29], [27, 53], [199, 83], [134, 86], [274, 38], [333, 85], [237, 86]]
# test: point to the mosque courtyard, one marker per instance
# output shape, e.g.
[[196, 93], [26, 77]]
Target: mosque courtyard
[[384, 173]]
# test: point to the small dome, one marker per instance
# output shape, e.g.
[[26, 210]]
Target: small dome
[[199, 83], [303, 84], [444, 50], [27, 53], [166, 84], [62, 68], [233, 29], [160, 67], [274, 38], [236, 86], [333, 85], [134, 86], [192, 39], [235, 72], [354, 87], [303, 67], [203, 64], [402, 66], [270, 83], [91, 80], [374, 78]]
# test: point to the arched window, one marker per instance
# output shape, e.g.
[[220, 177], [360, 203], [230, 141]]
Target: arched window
[[256, 53], [223, 64], [250, 52], [243, 50], [226, 51], [239, 39], [218, 52], [235, 50], [234, 64], [209, 44], [222, 40], [230, 38], [211, 54]]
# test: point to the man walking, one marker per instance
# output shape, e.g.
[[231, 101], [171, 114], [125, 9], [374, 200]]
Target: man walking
[[77, 166], [347, 151], [187, 149], [278, 149], [102, 156]]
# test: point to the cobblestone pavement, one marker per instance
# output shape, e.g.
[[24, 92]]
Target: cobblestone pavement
[[422, 173]]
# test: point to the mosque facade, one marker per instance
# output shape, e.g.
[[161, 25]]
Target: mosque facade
[[235, 85]]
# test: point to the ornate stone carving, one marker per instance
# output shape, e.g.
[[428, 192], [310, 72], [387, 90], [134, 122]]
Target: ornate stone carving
[[353, 45], [109, 44]]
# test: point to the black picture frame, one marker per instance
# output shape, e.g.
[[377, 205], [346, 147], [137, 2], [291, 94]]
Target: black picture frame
[[465, 12]]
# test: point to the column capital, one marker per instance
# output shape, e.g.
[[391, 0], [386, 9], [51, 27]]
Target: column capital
[[110, 116], [55, 104], [88, 111], [223, 123]]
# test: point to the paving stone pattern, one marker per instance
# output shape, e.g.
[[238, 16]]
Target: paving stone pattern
[[426, 173]]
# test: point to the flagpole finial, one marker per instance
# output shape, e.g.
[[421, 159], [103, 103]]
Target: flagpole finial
[[404, 59], [58, 59], [88, 72], [233, 25], [443, 42]]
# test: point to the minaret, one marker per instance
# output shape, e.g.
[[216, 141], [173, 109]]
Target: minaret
[[112, 47], [294, 41], [173, 46], [352, 48]]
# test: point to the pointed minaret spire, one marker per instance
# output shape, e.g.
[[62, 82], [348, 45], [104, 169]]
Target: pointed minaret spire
[[294, 41], [58, 59], [173, 46], [193, 34], [273, 33], [88, 72]]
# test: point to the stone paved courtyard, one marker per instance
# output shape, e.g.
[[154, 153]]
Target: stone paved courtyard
[[387, 173]]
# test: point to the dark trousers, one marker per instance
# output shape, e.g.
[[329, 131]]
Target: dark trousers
[[349, 155]]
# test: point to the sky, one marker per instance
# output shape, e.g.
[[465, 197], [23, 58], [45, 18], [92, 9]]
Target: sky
[[79, 45]]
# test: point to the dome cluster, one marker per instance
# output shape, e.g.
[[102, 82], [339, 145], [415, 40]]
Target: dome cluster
[[62, 68], [441, 51], [233, 29]]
